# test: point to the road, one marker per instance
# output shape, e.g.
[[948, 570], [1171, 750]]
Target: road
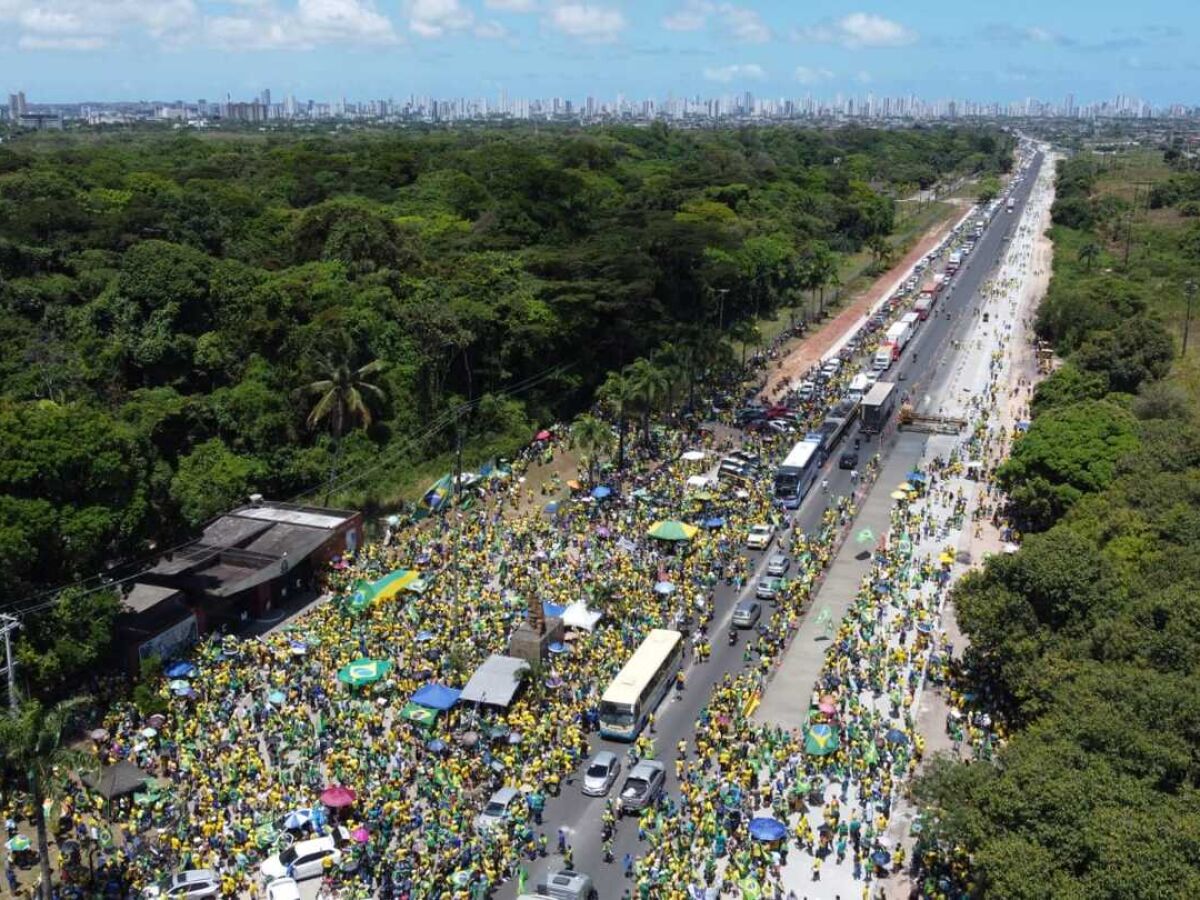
[[915, 372]]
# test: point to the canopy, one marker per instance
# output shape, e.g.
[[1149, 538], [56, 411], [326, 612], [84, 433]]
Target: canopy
[[364, 671], [821, 740], [418, 714], [694, 455], [337, 796], [180, 669], [117, 780], [672, 530], [601, 491], [577, 615], [436, 696], [765, 828], [496, 681]]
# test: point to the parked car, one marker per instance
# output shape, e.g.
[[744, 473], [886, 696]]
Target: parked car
[[778, 565], [283, 889], [192, 883], [566, 884], [306, 859], [747, 613], [767, 588], [643, 786], [602, 770], [760, 537], [498, 810], [849, 460]]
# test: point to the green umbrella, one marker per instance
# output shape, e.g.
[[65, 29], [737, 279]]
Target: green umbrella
[[364, 671], [18, 844], [821, 740], [672, 530]]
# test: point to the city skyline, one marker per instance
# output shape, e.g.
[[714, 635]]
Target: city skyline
[[172, 49]]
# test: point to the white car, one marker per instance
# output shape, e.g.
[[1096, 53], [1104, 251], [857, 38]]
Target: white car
[[498, 811], [283, 889], [306, 859], [760, 537]]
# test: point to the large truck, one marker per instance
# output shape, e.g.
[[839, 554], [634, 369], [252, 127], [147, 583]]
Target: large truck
[[1010, 204], [923, 305], [954, 262], [877, 407], [884, 357], [910, 319], [898, 335]]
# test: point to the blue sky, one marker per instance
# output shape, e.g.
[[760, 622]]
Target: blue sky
[[60, 50]]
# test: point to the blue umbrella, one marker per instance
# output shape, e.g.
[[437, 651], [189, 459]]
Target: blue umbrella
[[764, 828], [601, 492], [914, 475], [664, 587], [181, 690], [895, 736], [881, 858], [924, 627], [436, 745], [556, 647], [297, 819], [423, 636], [180, 669], [551, 507], [714, 522], [276, 698]]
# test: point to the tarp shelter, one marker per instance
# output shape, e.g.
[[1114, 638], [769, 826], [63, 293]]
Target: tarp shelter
[[436, 696], [577, 615], [116, 780], [496, 681]]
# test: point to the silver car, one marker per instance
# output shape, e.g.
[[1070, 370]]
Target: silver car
[[643, 786], [192, 883], [778, 565], [767, 588], [602, 770], [498, 810], [747, 613]]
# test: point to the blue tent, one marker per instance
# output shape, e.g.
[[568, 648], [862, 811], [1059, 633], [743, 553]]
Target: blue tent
[[435, 696], [601, 492], [180, 669], [764, 828]]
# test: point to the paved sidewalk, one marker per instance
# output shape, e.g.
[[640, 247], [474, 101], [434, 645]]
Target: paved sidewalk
[[785, 701]]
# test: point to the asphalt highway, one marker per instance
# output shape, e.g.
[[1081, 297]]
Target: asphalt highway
[[915, 374]]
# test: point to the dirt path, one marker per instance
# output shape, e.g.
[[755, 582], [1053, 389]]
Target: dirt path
[[805, 351]]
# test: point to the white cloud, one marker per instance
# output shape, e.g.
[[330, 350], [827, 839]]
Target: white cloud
[[491, 31], [809, 75], [740, 72], [692, 16], [520, 6], [435, 18], [862, 76], [743, 25], [309, 24], [858, 30], [598, 24], [32, 42]]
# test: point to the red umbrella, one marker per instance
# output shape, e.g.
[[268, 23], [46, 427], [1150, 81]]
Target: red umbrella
[[828, 708], [336, 796], [543, 435]]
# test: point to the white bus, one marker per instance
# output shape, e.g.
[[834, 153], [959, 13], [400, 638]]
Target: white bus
[[640, 686], [797, 473]]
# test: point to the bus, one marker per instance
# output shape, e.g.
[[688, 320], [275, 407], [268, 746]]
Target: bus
[[640, 686], [797, 473]]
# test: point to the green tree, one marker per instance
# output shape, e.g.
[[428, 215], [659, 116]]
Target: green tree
[[593, 437], [212, 479], [68, 642], [39, 758], [1088, 254], [650, 386], [344, 397], [618, 397], [989, 190]]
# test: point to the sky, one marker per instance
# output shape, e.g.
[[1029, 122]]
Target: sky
[[62, 50]]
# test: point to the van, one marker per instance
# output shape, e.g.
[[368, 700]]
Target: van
[[858, 387], [883, 358]]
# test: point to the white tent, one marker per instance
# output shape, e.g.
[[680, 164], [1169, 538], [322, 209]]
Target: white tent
[[577, 615], [699, 481]]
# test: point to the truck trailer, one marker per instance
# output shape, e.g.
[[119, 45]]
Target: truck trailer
[[877, 407]]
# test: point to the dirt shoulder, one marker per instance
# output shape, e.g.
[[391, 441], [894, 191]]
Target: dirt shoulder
[[803, 352]]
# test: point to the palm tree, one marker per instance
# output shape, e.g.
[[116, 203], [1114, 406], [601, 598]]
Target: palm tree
[[650, 386], [1088, 254], [593, 437], [344, 397], [616, 396], [34, 748], [746, 332]]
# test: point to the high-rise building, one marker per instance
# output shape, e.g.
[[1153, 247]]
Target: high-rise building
[[265, 97], [16, 105]]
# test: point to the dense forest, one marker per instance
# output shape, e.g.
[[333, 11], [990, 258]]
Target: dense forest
[[181, 316], [1084, 642]]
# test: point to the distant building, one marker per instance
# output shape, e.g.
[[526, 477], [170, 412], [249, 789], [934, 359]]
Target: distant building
[[16, 106], [247, 562], [41, 121], [246, 112]]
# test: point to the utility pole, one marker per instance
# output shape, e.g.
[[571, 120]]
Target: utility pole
[[9, 624], [1190, 290]]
